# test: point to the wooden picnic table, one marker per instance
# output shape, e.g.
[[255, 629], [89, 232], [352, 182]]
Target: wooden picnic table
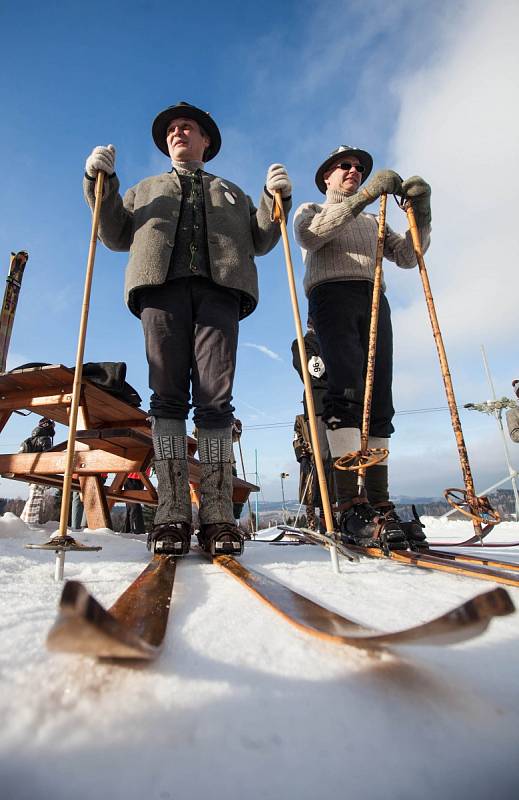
[[112, 437]]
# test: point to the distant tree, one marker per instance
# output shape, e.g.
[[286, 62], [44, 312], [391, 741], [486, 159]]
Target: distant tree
[[14, 506]]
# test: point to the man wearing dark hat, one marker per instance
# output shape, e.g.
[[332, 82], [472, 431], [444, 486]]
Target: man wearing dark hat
[[190, 278], [338, 241]]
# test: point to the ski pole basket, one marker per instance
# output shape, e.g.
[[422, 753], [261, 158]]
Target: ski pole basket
[[362, 459], [477, 508]]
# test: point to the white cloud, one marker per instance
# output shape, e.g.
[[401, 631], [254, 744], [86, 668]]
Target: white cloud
[[263, 349], [459, 126]]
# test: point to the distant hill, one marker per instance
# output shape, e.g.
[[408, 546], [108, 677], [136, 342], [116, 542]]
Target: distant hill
[[502, 501]]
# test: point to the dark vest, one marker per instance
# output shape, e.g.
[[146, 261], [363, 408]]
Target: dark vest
[[190, 255]]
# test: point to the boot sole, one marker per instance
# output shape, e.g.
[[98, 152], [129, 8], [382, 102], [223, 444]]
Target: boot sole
[[217, 548], [174, 548]]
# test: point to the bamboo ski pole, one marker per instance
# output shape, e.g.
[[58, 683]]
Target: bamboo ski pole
[[479, 509], [279, 215], [372, 350], [367, 457], [303, 495], [78, 374], [248, 498]]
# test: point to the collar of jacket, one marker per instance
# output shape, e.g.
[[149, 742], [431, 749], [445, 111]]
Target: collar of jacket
[[187, 167]]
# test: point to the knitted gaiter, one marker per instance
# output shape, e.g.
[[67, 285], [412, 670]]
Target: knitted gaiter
[[170, 448], [215, 453]]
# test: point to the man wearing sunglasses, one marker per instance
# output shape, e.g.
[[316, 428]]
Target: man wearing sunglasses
[[191, 277], [338, 241]]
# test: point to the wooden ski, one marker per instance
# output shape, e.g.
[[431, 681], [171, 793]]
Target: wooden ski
[[483, 560], [8, 310], [459, 624], [442, 562], [133, 628]]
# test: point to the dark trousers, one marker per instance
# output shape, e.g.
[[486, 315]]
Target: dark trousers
[[134, 519], [341, 312], [191, 334]]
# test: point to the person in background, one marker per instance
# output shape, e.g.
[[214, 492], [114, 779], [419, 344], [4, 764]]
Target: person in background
[[134, 519], [307, 475], [39, 441], [309, 492]]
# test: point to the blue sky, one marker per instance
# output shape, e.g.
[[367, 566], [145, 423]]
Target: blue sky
[[426, 88]]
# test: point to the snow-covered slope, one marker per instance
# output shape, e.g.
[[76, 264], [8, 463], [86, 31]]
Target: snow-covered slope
[[242, 705]]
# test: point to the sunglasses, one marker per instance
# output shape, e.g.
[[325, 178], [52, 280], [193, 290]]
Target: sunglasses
[[345, 165]]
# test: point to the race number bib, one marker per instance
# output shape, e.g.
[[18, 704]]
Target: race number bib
[[316, 367]]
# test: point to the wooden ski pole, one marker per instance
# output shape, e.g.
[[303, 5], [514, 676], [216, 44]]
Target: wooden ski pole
[[466, 501], [279, 215], [303, 495], [62, 539], [248, 497], [367, 457]]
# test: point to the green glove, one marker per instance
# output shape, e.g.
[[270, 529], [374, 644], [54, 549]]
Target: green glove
[[418, 192], [385, 181]]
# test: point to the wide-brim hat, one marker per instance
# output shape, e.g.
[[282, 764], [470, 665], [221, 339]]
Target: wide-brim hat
[[161, 122], [336, 155]]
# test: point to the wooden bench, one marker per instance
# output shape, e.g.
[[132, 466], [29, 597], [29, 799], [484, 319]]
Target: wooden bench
[[112, 437]]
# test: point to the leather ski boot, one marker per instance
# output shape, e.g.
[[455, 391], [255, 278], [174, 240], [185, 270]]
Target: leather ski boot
[[170, 539], [363, 525], [221, 538], [414, 532]]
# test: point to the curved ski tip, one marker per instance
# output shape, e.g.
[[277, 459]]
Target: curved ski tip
[[72, 592], [497, 602]]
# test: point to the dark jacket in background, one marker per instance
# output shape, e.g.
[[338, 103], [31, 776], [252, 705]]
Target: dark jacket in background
[[319, 384]]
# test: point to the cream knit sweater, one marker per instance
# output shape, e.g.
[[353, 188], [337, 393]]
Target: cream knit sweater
[[340, 245]]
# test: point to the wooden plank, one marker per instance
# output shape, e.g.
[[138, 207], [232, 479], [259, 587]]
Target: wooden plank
[[85, 462], [95, 503], [133, 422], [4, 419], [16, 400], [99, 404], [46, 480], [55, 376], [114, 439], [104, 407], [136, 495]]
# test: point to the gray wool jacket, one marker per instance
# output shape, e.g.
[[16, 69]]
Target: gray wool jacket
[[145, 223], [340, 245]]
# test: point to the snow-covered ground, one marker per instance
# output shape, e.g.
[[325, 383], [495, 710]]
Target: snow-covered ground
[[242, 705]]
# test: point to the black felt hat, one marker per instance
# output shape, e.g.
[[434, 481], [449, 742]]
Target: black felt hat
[[336, 155], [161, 123]]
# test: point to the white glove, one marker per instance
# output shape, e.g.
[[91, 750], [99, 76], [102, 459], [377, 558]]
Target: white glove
[[101, 159], [278, 180]]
